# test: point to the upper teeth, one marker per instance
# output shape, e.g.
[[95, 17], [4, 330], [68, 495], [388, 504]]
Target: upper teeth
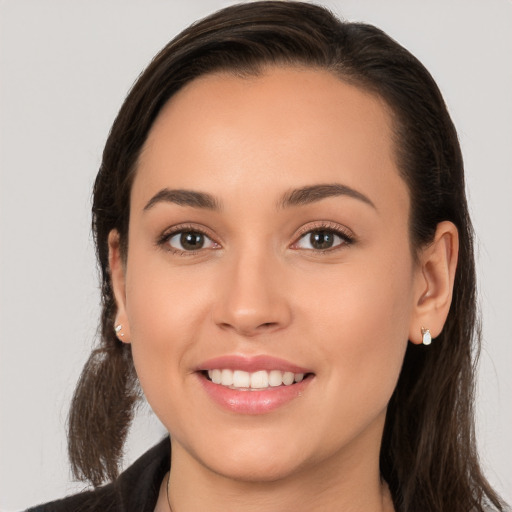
[[255, 380]]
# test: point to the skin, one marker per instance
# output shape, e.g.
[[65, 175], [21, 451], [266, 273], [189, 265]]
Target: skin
[[346, 313]]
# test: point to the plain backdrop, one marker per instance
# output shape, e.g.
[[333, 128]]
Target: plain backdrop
[[65, 68]]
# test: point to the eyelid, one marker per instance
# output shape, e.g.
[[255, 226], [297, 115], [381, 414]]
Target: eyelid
[[163, 239], [327, 225], [343, 232]]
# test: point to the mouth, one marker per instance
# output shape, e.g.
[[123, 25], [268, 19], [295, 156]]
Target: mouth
[[253, 385], [260, 380]]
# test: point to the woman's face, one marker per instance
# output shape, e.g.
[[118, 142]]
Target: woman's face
[[268, 237]]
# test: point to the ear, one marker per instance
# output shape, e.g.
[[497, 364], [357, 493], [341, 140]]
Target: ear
[[118, 279], [434, 280]]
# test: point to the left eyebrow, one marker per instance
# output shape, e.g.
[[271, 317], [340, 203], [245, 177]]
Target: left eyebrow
[[314, 193]]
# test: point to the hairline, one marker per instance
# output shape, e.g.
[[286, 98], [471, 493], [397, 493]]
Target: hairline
[[260, 68]]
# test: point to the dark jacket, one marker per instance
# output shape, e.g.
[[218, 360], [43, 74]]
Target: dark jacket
[[136, 489]]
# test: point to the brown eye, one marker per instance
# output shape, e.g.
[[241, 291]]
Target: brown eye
[[322, 240], [190, 241]]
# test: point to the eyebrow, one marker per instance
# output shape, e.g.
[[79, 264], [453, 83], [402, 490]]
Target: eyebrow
[[184, 198], [314, 193], [297, 197]]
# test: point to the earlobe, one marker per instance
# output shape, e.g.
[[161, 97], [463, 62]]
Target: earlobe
[[117, 276], [434, 284]]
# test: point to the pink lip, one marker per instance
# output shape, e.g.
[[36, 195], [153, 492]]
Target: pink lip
[[250, 364], [252, 402]]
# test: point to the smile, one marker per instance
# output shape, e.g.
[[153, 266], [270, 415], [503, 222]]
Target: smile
[[249, 381], [253, 384]]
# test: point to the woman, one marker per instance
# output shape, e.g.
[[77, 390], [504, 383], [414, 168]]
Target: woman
[[288, 272]]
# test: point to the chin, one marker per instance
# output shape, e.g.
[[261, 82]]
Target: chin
[[256, 459], [256, 469]]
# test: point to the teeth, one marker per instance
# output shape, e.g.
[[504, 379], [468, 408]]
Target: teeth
[[288, 378], [259, 380], [227, 378], [262, 379], [275, 378], [241, 379], [216, 376]]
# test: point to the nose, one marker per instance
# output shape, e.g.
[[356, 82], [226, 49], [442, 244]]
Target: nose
[[252, 296]]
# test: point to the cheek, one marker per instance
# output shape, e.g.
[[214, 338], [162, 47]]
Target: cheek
[[163, 301], [362, 326], [166, 312]]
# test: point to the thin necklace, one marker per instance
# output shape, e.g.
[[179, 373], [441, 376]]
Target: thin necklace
[[168, 499]]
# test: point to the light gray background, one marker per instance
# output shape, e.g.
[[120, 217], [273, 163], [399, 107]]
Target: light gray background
[[65, 69]]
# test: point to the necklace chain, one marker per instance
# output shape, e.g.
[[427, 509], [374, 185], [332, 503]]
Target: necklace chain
[[167, 486]]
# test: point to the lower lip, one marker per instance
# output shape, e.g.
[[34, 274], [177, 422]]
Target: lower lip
[[253, 402]]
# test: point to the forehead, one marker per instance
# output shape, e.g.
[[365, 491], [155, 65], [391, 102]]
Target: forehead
[[281, 128]]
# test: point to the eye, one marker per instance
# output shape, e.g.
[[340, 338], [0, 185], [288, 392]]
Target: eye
[[322, 239], [187, 241]]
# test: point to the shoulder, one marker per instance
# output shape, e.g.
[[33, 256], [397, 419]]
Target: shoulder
[[99, 499], [135, 489]]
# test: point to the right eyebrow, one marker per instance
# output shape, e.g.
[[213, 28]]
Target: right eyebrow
[[184, 197]]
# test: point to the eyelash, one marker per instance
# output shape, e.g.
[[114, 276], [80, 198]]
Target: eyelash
[[163, 240], [343, 233]]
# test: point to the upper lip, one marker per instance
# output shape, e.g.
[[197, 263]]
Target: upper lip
[[250, 364]]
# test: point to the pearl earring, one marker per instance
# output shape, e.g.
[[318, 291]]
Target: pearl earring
[[427, 337], [118, 330]]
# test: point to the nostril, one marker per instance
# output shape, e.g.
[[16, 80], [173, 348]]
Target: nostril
[[248, 329]]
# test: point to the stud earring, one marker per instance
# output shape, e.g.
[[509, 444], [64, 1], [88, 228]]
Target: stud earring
[[427, 337], [118, 330]]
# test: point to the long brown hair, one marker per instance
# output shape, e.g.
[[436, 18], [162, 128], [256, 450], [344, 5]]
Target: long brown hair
[[428, 454]]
